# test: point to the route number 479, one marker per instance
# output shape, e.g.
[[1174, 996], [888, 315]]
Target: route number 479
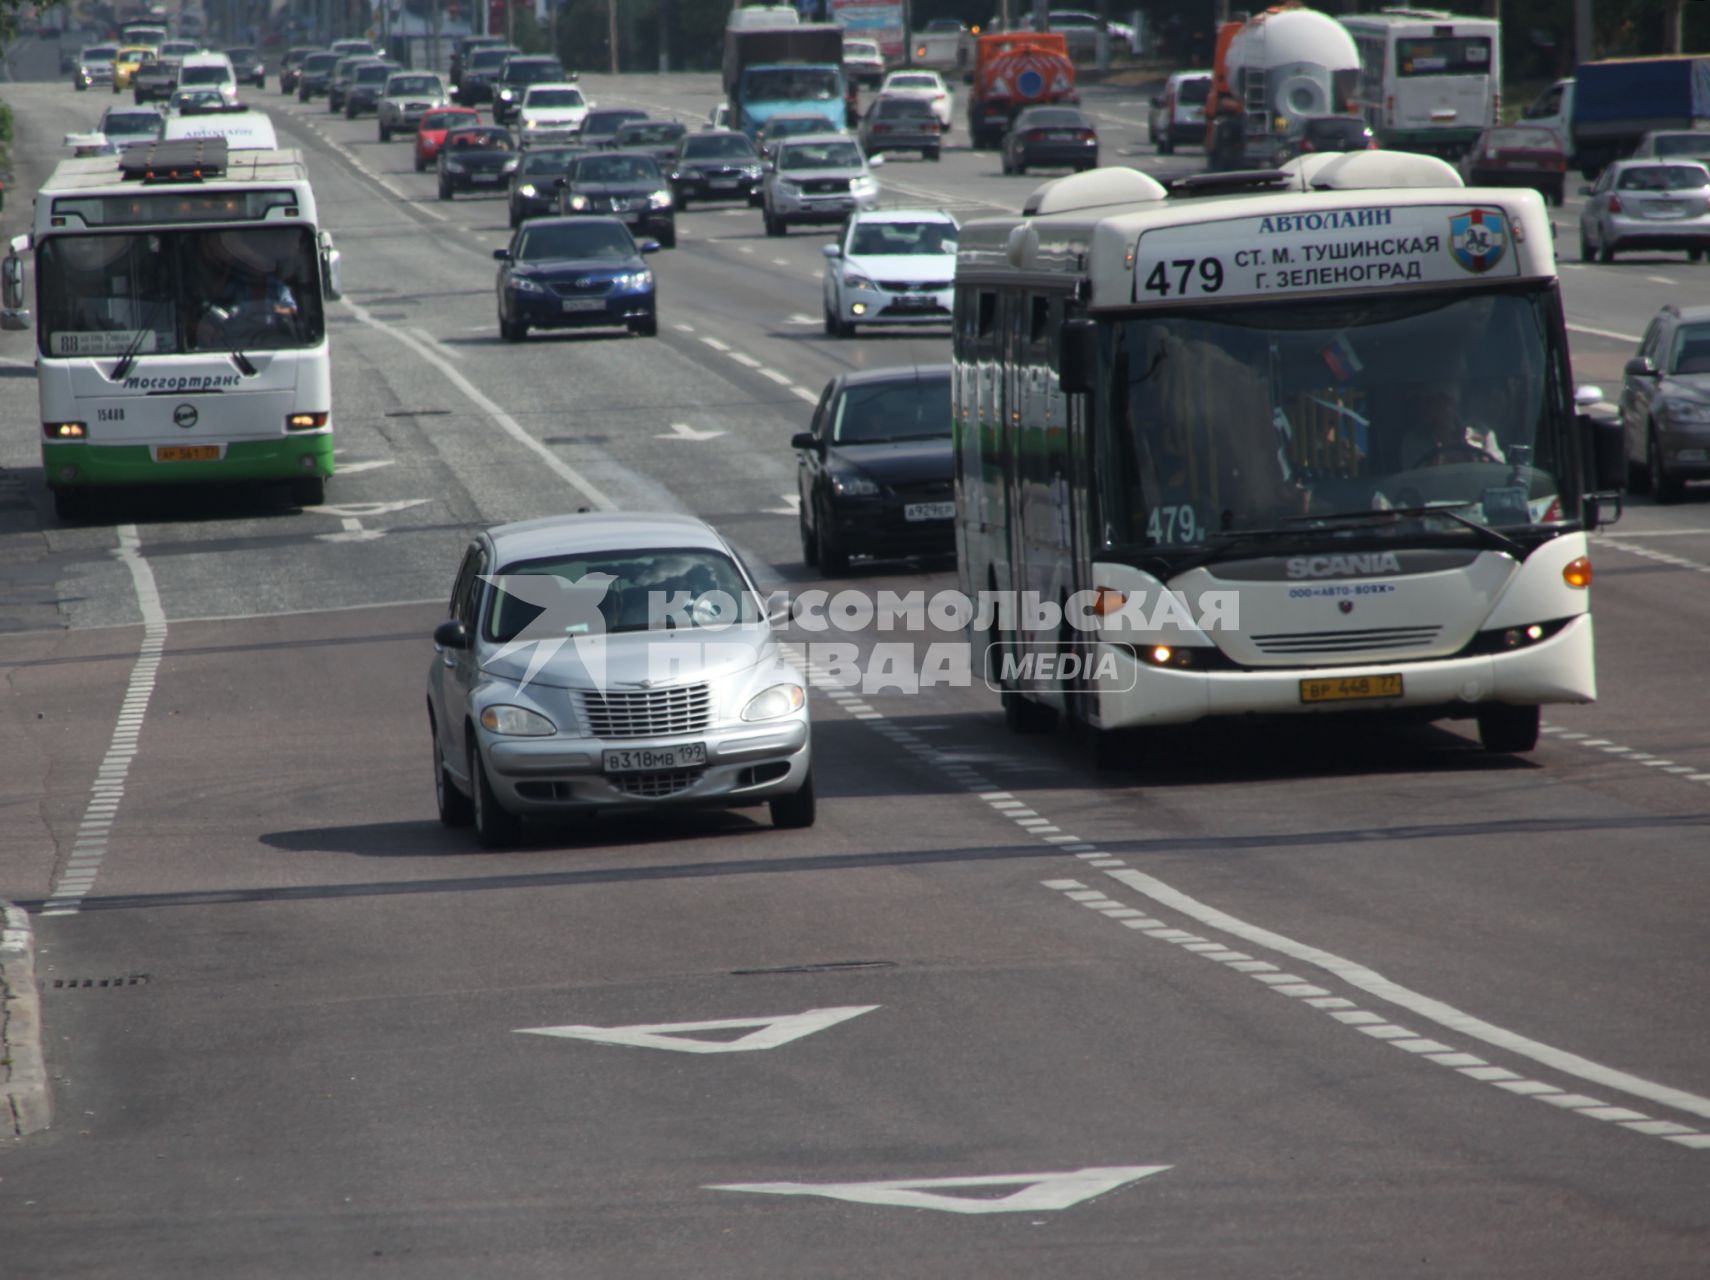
[[1185, 275]]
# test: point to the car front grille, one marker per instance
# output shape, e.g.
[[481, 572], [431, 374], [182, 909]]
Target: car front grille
[[648, 714], [580, 288], [825, 186], [709, 173], [923, 491], [914, 286], [650, 786], [1371, 639]]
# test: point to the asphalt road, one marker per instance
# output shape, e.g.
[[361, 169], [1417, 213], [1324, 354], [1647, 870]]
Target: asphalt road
[[1482, 1050]]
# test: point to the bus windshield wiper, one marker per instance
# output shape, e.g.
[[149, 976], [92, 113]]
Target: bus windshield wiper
[[1448, 510], [129, 357]]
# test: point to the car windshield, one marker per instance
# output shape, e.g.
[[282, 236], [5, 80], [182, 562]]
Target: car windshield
[[553, 98], [649, 135], [617, 169], [319, 61], [1664, 177], [923, 238], [1248, 418], [917, 408], [445, 119], [1051, 118], [821, 155], [180, 291], [133, 124], [729, 146], [556, 162], [1192, 93], [1682, 144], [627, 591], [1691, 349], [373, 75], [532, 72], [413, 84], [770, 84], [575, 240], [489, 59], [204, 75], [99, 53], [479, 140]]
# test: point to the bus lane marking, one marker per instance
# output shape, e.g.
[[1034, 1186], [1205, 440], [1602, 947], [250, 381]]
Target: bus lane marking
[[1035, 1192], [766, 1033]]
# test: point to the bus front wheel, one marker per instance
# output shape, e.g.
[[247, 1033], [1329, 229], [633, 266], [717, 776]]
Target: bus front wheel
[[309, 491], [1508, 729]]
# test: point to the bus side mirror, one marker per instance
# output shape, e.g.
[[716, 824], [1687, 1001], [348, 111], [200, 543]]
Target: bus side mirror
[[1077, 363], [12, 313], [331, 289], [1606, 447]]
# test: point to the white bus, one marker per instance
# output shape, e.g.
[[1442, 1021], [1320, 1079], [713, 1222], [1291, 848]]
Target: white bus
[[1267, 444], [1429, 81], [180, 329]]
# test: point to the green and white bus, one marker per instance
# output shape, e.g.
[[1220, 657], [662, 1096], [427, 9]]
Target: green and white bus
[[1429, 81], [181, 335], [1275, 444]]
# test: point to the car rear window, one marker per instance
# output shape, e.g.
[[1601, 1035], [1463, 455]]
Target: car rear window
[[1193, 92], [1664, 177]]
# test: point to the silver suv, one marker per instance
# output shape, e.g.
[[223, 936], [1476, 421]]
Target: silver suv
[[818, 178], [407, 97]]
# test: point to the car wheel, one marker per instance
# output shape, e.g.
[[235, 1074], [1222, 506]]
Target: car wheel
[[1585, 252], [668, 238], [648, 328], [309, 491], [796, 810], [1695, 255], [1165, 146], [444, 189], [385, 134], [350, 113], [1020, 166], [420, 166], [1557, 195], [1022, 714], [1605, 253], [512, 332], [1663, 486], [776, 226], [681, 201], [1007, 167], [1508, 730], [832, 558], [810, 545], [931, 153], [516, 218], [495, 826], [455, 808]]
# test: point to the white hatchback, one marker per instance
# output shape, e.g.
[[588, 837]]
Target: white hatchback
[[550, 113], [922, 84], [891, 266]]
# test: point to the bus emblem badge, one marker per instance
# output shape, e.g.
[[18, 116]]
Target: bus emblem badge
[[1478, 238], [1346, 606], [185, 416]]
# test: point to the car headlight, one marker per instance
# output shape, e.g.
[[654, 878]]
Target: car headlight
[[530, 124], [864, 183], [511, 165], [852, 484], [853, 281], [1684, 411], [787, 189], [517, 722], [659, 200], [633, 280], [751, 171], [779, 700], [524, 284], [528, 191], [507, 94], [579, 203]]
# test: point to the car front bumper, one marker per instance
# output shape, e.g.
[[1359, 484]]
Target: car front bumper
[[880, 527], [695, 186], [548, 310], [477, 180], [901, 306], [1620, 232], [1685, 448], [828, 208]]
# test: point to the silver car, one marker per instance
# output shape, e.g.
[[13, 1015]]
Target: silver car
[[819, 178], [1646, 204], [611, 661], [407, 97]]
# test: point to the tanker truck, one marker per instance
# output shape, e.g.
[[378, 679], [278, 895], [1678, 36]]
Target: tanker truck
[[1270, 70], [1020, 69]]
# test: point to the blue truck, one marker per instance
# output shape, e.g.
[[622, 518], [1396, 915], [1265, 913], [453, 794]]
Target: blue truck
[[772, 70], [1608, 106]]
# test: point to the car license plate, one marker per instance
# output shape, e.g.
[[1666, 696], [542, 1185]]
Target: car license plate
[[1350, 688], [584, 304], [646, 759], [723, 184], [1062, 135], [187, 453], [915, 301], [1665, 209], [484, 177], [929, 511]]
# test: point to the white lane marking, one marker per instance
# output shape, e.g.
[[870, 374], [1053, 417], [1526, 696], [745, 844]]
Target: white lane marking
[[768, 1032], [1662, 279], [797, 319], [780, 262], [1624, 534], [792, 506], [371, 464], [715, 344], [684, 328], [1627, 755], [438, 346], [108, 789], [509, 425], [1603, 333], [683, 431], [1036, 1193], [805, 394], [744, 359], [1649, 553], [781, 379], [742, 248]]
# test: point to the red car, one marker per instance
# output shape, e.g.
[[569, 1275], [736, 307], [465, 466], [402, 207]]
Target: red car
[[430, 137], [1518, 156]]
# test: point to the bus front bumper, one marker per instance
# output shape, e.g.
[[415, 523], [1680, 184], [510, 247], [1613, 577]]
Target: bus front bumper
[[68, 466]]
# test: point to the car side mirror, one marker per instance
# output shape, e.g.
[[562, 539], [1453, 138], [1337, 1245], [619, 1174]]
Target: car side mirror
[[1638, 367], [804, 440], [1157, 99], [332, 287], [451, 634], [1077, 360], [1584, 189], [649, 246], [501, 255], [1587, 394], [831, 250], [877, 162]]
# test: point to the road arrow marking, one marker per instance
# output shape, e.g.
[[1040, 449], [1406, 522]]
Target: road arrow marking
[[1038, 1192], [373, 464], [792, 506], [769, 1033], [683, 431], [366, 510]]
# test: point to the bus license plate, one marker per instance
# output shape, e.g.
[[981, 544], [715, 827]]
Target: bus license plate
[[1350, 688], [644, 759], [929, 511], [188, 453]]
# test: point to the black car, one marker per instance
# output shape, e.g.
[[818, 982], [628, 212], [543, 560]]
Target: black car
[[718, 164], [314, 73], [625, 184], [461, 51], [291, 64], [479, 158], [520, 71], [479, 70], [562, 273], [247, 63], [339, 81], [600, 125], [1307, 134], [658, 138], [1665, 403], [1050, 137], [897, 123], [535, 182], [366, 86], [874, 469]]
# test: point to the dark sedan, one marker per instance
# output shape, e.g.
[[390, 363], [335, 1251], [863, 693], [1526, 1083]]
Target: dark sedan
[[600, 125], [625, 184], [1521, 155], [476, 76], [476, 159], [874, 469], [658, 138], [248, 64], [536, 180], [291, 64], [719, 164], [314, 74], [338, 82], [1050, 137], [1307, 135], [562, 273], [366, 87], [902, 124], [1665, 403]]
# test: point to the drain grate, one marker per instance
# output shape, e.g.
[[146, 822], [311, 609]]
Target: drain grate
[[83, 984], [829, 966], [418, 413]]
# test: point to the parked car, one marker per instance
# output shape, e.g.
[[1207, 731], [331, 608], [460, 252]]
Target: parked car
[[863, 62], [475, 158], [430, 135], [406, 98], [1308, 135], [718, 164], [786, 124], [874, 469], [1050, 137], [536, 181], [658, 138], [626, 185], [890, 266], [550, 114], [902, 124], [1665, 403], [1518, 155], [1177, 115], [248, 63], [818, 178], [520, 733], [314, 74], [1646, 204], [928, 85], [291, 65]]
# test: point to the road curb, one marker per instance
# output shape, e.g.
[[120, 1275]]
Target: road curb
[[25, 1103]]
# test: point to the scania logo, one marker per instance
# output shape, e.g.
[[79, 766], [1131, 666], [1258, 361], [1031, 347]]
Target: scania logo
[[185, 416], [1352, 566]]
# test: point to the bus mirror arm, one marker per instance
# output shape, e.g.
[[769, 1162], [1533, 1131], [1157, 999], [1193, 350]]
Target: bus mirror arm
[[1606, 445], [331, 289], [1077, 365]]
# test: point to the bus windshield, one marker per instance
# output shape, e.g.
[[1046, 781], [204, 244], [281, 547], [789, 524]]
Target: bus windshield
[[165, 292], [1248, 419]]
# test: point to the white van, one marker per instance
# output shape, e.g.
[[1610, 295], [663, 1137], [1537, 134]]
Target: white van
[[209, 71]]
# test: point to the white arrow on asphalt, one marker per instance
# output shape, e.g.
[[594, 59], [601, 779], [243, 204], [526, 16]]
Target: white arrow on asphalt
[[367, 510], [1037, 1192], [372, 464], [768, 1033], [683, 431], [792, 506]]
